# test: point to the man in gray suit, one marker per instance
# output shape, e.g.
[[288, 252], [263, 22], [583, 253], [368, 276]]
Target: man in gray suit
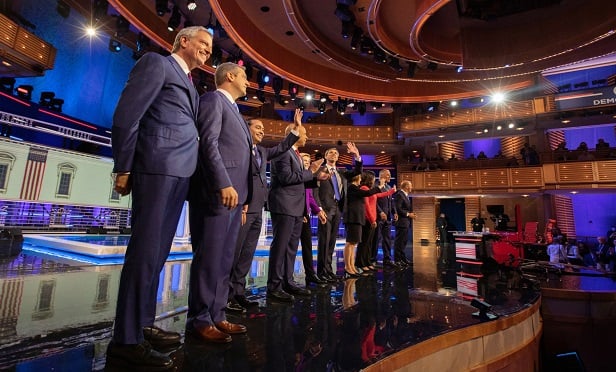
[[220, 190], [155, 153]]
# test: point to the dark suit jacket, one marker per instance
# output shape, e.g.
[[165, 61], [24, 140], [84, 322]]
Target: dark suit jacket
[[225, 152], [403, 206], [156, 134], [355, 211], [259, 178], [288, 190], [385, 205], [325, 195]]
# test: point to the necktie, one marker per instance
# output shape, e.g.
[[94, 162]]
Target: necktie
[[190, 78], [335, 183], [299, 155], [257, 155], [235, 105]]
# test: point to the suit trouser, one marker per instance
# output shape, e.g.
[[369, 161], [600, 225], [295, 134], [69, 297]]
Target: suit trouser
[[327, 234], [214, 231], [364, 248], [157, 205], [383, 230], [286, 230], [247, 240], [400, 241], [306, 241]]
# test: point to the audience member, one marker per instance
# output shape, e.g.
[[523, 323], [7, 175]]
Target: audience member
[[604, 254], [601, 144], [582, 147], [252, 219], [331, 196], [557, 251], [499, 155], [561, 151], [219, 196], [156, 168], [482, 155]]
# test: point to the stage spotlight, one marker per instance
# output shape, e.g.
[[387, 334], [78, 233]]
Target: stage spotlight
[[56, 104], [122, 26], [453, 103], [394, 64], [261, 96], [262, 79], [324, 97], [498, 97], [277, 85], [459, 69], [46, 98], [162, 7], [411, 70], [192, 5], [432, 66], [216, 56], [114, 45], [361, 107], [25, 91], [7, 85], [321, 106], [484, 309], [344, 13], [63, 9], [248, 70], [142, 43], [356, 38], [174, 19], [99, 9], [293, 90], [282, 101], [308, 94]]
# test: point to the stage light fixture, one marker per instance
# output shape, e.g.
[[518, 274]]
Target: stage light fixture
[[56, 104], [394, 64], [262, 79], [411, 69], [361, 107], [63, 9], [324, 97], [192, 5], [25, 91], [174, 19], [344, 13], [356, 38], [7, 84], [122, 26], [321, 106], [216, 56], [308, 94], [261, 96], [46, 98], [248, 70], [277, 85], [142, 42], [162, 7], [459, 69], [484, 309], [432, 66], [114, 45], [293, 90], [99, 9]]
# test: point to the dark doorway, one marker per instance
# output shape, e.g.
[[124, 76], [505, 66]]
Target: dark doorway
[[454, 211]]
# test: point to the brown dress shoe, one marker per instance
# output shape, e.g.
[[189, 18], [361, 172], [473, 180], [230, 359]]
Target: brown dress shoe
[[212, 334], [231, 328]]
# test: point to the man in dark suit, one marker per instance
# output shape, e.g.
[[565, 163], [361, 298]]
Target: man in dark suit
[[386, 213], [250, 230], [220, 190], [286, 202], [405, 214], [155, 153], [331, 197]]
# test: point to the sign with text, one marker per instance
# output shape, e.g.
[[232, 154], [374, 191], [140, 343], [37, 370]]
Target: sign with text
[[598, 97]]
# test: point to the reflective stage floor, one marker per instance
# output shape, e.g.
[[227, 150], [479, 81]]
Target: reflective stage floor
[[56, 314]]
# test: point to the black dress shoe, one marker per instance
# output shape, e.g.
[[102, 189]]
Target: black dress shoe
[[242, 300], [280, 296], [158, 337], [141, 357], [234, 307], [315, 280], [390, 264], [330, 277], [294, 290]]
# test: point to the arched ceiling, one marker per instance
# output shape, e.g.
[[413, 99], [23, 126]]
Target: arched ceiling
[[500, 44]]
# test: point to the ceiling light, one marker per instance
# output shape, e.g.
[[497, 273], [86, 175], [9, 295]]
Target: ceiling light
[[174, 19], [498, 97], [192, 5], [511, 125], [308, 94], [499, 127]]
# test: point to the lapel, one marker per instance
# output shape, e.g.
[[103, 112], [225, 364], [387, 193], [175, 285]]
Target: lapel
[[297, 159], [239, 117], [193, 95]]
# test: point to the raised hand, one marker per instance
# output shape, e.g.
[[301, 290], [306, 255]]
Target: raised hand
[[297, 118]]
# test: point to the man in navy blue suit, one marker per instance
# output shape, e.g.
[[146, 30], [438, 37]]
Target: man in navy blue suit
[[250, 230], [155, 145], [220, 190], [404, 208], [286, 201]]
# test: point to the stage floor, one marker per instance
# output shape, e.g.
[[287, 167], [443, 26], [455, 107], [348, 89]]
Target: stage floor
[[57, 311]]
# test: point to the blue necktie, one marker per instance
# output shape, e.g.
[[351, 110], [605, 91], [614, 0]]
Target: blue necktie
[[235, 105], [335, 183]]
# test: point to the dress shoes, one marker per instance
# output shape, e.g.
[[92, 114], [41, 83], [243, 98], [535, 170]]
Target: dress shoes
[[158, 337], [315, 280], [140, 357], [246, 303], [234, 307], [231, 328], [211, 333], [390, 264], [294, 290], [329, 277], [280, 296]]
